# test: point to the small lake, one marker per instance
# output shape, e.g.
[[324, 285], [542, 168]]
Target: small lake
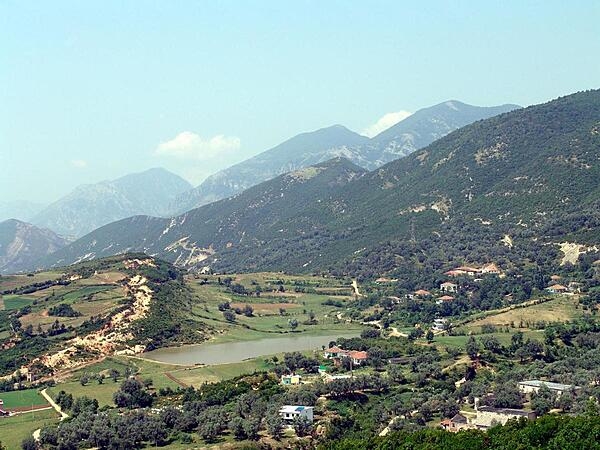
[[232, 352]]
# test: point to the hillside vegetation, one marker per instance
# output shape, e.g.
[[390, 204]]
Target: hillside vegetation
[[529, 175]]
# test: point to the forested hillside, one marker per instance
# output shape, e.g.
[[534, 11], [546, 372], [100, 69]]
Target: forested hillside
[[522, 178]]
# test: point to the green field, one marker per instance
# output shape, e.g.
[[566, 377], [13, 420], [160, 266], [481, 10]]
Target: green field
[[199, 375], [21, 399], [16, 428], [18, 281], [504, 338], [560, 308], [268, 320], [101, 392], [16, 301]]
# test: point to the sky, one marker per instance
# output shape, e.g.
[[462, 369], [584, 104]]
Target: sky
[[94, 90]]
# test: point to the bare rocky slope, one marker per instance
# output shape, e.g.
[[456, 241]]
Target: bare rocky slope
[[23, 245]]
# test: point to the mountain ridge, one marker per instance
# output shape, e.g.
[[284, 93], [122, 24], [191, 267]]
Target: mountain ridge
[[517, 171], [90, 206], [23, 245], [309, 148]]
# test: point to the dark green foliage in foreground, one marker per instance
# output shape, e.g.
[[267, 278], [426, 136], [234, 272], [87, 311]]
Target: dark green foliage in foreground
[[548, 432]]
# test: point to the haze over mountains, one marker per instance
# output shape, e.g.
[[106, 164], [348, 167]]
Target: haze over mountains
[[22, 244], [535, 168], [90, 206], [418, 130], [19, 209]]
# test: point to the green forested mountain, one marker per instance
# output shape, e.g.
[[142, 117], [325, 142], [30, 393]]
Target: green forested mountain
[[307, 149], [531, 173]]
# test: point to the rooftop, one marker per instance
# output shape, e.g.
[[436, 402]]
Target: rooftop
[[549, 384], [294, 408], [506, 411]]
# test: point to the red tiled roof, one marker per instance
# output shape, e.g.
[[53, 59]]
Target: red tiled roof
[[422, 292], [557, 287], [357, 354]]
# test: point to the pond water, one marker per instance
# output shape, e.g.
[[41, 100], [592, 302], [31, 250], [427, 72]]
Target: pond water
[[232, 352]]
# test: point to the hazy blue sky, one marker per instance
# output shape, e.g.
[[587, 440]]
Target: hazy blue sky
[[92, 90]]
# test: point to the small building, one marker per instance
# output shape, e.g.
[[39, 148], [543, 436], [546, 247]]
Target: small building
[[557, 289], [467, 270], [422, 293], [337, 354], [333, 352], [291, 379], [344, 376], [488, 416], [444, 299], [358, 357], [491, 269], [3, 412], [456, 423], [440, 325], [448, 287], [530, 386], [384, 280], [290, 412]]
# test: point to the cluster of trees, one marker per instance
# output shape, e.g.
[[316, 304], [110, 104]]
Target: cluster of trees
[[63, 310], [549, 432]]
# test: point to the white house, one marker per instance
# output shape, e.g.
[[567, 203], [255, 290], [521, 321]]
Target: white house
[[289, 412], [440, 324], [530, 386], [448, 287], [488, 416]]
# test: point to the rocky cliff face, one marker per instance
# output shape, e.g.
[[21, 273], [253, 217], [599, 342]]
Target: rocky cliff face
[[22, 245]]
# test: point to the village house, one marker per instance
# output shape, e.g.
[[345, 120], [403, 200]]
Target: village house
[[488, 416], [440, 324], [290, 412], [448, 287], [455, 424], [291, 379], [384, 280], [337, 354], [469, 271], [530, 386], [444, 299], [557, 289], [491, 269], [344, 376], [422, 293]]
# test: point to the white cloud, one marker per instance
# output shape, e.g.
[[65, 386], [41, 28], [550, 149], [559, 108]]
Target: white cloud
[[385, 122], [78, 163], [188, 145]]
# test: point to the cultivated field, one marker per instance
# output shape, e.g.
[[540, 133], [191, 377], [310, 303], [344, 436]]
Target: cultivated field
[[16, 428]]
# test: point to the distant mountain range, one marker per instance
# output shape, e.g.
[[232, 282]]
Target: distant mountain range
[[535, 168], [23, 245], [92, 205], [418, 130]]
